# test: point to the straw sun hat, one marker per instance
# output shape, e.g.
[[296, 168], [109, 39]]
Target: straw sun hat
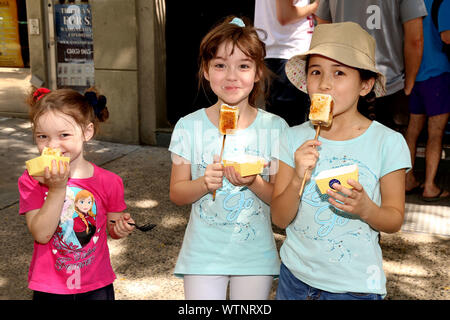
[[344, 42]]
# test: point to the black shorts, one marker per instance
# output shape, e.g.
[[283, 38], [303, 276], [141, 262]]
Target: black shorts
[[105, 293]]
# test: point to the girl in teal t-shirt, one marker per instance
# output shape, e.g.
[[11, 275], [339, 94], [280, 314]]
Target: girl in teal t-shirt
[[332, 246], [228, 239]]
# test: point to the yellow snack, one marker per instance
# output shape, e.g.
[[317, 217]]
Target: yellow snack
[[36, 166], [327, 178], [228, 119], [245, 165], [321, 110]]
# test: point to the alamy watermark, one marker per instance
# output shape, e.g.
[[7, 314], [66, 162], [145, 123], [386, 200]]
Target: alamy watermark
[[374, 19]]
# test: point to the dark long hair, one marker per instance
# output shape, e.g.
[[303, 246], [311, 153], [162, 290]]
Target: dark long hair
[[366, 104]]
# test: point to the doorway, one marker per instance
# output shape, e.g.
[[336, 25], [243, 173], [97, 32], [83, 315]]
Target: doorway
[[187, 22]]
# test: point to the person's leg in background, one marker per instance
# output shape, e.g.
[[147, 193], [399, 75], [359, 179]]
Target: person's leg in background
[[437, 103], [415, 127], [429, 98], [436, 127], [417, 120]]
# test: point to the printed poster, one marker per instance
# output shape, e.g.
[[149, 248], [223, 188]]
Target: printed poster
[[74, 43], [10, 50]]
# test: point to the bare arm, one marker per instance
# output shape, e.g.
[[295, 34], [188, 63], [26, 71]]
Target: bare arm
[[184, 190], [285, 199], [412, 51], [288, 13], [43, 222], [445, 36], [262, 188]]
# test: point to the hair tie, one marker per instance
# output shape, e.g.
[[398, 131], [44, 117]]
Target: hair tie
[[39, 93], [238, 22], [98, 104]]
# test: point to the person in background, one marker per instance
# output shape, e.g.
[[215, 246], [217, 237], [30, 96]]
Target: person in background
[[396, 26], [288, 26], [430, 99]]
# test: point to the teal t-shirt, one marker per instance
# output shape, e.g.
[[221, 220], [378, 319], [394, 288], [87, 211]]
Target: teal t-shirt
[[233, 234], [327, 248]]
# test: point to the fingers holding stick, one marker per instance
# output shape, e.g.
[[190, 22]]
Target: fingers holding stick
[[307, 171]]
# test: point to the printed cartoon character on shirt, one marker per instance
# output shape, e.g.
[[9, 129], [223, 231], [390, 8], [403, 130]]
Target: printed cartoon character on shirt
[[84, 219], [67, 234], [77, 223]]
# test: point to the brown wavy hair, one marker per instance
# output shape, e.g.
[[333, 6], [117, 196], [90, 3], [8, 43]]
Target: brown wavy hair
[[247, 40], [69, 102]]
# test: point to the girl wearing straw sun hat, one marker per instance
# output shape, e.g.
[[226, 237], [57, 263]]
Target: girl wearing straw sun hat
[[332, 246]]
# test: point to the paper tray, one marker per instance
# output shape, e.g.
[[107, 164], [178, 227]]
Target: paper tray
[[327, 178], [247, 166]]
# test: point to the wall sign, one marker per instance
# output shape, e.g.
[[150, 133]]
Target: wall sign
[[10, 50], [74, 46]]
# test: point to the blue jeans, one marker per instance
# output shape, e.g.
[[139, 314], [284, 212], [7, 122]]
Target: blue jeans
[[290, 288]]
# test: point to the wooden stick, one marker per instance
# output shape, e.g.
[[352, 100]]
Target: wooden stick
[[220, 160], [307, 170]]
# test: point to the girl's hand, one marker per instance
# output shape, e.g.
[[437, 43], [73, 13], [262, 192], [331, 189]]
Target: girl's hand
[[306, 157], [121, 227], [54, 178], [236, 179], [355, 201], [214, 175]]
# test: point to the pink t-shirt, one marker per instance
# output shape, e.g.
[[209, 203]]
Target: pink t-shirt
[[76, 259]]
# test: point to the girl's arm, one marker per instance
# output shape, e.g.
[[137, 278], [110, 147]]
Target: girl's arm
[[412, 51], [262, 188], [120, 228], [285, 199], [43, 222], [287, 12], [184, 190], [386, 218]]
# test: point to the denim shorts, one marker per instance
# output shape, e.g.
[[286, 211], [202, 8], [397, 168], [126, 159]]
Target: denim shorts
[[291, 288]]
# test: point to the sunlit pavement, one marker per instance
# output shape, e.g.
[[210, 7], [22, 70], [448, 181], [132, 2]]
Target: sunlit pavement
[[416, 259]]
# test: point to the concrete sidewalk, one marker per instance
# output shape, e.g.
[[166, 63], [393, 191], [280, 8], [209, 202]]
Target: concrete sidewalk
[[416, 260]]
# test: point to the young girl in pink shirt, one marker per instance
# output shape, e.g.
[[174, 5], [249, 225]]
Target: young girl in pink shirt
[[68, 208]]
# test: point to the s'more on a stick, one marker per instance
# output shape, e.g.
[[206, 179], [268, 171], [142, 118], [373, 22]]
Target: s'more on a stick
[[228, 121], [320, 115]]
